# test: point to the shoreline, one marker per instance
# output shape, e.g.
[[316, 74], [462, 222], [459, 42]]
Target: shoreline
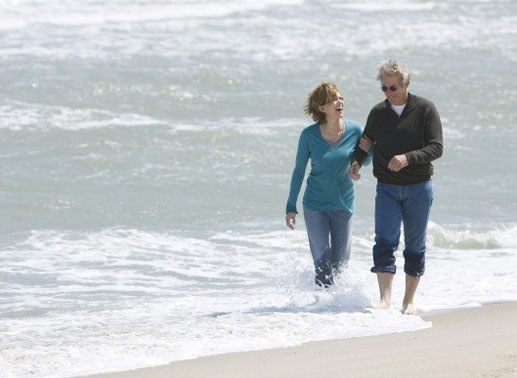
[[471, 342]]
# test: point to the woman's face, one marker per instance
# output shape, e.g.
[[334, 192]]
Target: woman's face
[[333, 109], [395, 92]]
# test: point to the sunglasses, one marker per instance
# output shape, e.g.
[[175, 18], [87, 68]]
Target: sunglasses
[[391, 88]]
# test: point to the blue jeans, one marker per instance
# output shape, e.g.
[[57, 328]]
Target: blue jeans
[[411, 205], [329, 256]]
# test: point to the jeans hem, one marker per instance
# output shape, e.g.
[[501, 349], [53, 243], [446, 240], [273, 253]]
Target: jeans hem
[[414, 274], [378, 269]]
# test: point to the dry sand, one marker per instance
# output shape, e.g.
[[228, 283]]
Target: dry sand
[[476, 342]]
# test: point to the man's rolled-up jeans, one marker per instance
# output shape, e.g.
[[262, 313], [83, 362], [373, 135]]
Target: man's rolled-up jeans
[[411, 206]]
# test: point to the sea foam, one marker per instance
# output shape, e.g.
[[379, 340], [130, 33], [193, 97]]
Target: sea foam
[[142, 298]]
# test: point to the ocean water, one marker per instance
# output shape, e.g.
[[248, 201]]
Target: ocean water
[[146, 150]]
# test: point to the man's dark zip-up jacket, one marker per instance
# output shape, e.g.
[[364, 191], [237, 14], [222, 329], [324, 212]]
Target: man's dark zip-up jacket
[[417, 133]]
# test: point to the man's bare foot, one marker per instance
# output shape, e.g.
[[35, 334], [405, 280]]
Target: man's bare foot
[[379, 306], [409, 309], [385, 281]]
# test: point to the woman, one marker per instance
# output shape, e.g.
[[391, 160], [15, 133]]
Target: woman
[[328, 202]]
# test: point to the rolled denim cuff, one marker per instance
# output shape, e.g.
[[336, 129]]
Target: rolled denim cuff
[[384, 269]]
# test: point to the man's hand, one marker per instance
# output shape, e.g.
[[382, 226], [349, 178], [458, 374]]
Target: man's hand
[[290, 220], [397, 162], [353, 172]]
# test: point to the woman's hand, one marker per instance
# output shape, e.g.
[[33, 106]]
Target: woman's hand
[[353, 172], [365, 143], [290, 220]]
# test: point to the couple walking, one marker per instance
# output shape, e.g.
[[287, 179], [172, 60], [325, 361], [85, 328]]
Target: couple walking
[[404, 135]]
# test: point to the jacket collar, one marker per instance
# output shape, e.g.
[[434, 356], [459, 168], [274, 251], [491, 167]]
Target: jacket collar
[[409, 104]]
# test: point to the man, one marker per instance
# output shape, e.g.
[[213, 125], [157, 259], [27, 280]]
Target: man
[[407, 133]]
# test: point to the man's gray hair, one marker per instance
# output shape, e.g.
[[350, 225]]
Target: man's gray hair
[[393, 68]]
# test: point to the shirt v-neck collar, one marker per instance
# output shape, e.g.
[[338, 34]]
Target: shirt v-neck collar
[[337, 142]]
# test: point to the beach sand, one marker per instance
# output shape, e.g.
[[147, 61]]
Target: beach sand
[[475, 342]]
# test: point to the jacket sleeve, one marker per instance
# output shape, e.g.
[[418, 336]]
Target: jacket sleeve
[[361, 156], [433, 139]]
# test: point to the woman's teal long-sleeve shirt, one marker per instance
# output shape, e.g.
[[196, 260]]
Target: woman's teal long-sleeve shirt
[[329, 188]]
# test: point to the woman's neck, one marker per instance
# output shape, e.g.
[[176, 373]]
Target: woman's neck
[[332, 131], [334, 124]]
